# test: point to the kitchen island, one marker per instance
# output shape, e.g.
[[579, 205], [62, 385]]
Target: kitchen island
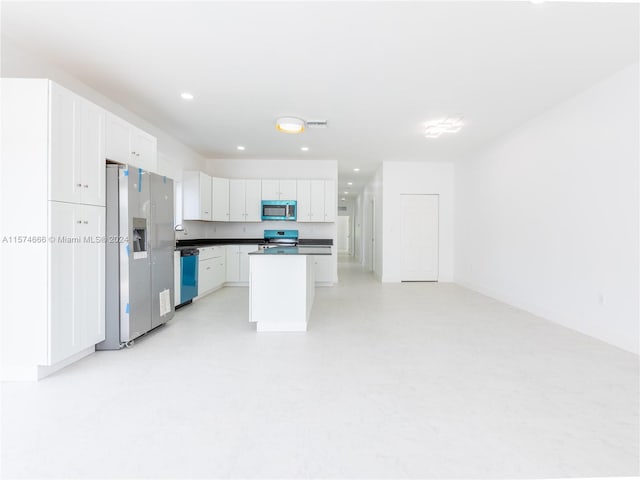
[[282, 287]]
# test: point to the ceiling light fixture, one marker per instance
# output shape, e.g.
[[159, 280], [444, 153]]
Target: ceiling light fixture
[[349, 183], [290, 125], [240, 147], [435, 128], [304, 149], [346, 193], [356, 169], [186, 96], [343, 199]]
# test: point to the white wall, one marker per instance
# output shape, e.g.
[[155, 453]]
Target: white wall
[[416, 178], [547, 217], [372, 241], [173, 156]]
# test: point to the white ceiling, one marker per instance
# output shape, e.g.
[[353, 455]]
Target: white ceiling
[[374, 70]]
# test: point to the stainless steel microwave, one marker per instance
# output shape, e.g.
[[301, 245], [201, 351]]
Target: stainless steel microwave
[[279, 210]]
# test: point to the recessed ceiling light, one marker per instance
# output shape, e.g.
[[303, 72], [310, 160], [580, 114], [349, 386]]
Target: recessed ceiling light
[[346, 193], [240, 147], [349, 183], [304, 149], [356, 169], [343, 199], [435, 128], [186, 96], [536, 1], [290, 125]]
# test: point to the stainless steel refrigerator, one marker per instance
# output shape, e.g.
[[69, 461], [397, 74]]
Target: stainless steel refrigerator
[[140, 243]]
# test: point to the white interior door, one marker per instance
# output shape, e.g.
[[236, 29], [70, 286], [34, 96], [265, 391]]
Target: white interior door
[[419, 243], [344, 234]]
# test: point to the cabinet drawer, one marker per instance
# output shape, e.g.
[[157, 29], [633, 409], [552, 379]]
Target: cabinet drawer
[[210, 252]]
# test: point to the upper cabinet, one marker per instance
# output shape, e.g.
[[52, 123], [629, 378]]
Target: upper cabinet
[[196, 194], [220, 198], [127, 144], [279, 190], [77, 148], [316, 202], [245, 200]]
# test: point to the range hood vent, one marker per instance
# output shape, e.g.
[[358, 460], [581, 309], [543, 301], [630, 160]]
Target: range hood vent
[[316, 123]]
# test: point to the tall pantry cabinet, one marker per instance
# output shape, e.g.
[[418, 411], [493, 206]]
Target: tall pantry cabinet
[[52, 227]]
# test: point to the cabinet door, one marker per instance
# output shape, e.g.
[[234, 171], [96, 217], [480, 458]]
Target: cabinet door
[[219, 269], [220, 195], [206, 275], [253, 201], [322, 266], [304, 200], [237, 212], [62, 341], [191, 195], [317, 201], [117, 139], [329, 201], [65, 182], [144, 148], [288, 190], [243, 257], [270, 190], [92, 153], [204, 187], [232, 263], [89, 281]]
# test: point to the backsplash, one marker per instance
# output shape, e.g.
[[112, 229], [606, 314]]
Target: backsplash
[[195, 229]]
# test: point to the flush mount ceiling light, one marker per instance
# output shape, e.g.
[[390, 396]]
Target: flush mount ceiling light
[[436, 128], [356, 169], [240, 147], [290, 125], [349, 183], [186, 96], [304, 149]]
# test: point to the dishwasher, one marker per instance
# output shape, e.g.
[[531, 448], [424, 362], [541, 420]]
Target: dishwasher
[[188, 275]]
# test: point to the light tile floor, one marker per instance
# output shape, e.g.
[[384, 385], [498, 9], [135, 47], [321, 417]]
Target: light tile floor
[[391, 381]]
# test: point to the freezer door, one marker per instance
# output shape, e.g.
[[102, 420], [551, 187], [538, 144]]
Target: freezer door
[[162, 241], [135, 261]]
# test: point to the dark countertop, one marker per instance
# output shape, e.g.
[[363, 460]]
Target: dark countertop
[[205, 242]]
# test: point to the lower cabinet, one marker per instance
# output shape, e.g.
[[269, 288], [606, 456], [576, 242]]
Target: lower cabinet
[[211, 269], [238, 262], [323, 265], [75, 279]]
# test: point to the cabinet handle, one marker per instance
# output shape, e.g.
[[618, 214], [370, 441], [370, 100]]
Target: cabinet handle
[[86, 186], [133, 153], [79, 221], [78, 185], [86, 222], [137, 154]]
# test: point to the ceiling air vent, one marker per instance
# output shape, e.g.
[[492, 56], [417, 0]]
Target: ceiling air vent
[[316, 123]]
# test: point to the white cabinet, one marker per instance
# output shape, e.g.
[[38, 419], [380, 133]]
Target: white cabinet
[[126, 143], [76, 279], [220, 197], [313, 205], [238, 262], [53, 257], [323, 266], [278, 190], [330, 207], [245, 200], [196, 196], [77, 146], [211, 269]]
